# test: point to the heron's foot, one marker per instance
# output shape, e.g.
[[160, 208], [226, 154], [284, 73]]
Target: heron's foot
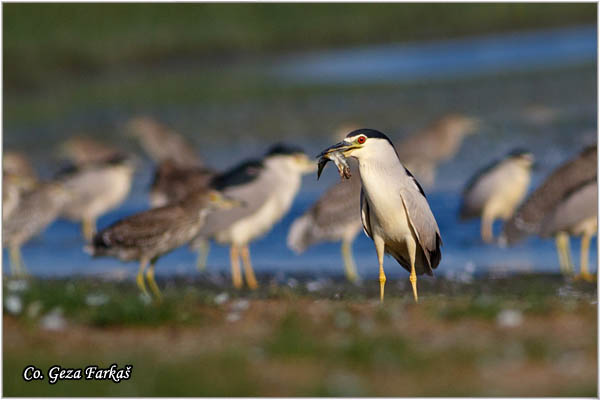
[[153, 286], [237, 281], [585, 276], [413, 281], [201, 264], [252, 282], [141, 284], [381, 288]]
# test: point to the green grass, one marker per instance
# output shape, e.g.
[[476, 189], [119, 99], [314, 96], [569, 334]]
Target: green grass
[[338, 341], [45, 42]]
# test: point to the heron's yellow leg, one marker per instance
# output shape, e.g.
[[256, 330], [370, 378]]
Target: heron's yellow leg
[[152, 282], [140, 277], [89, 228], [248, 270], [349, 265], [203, 250], [412, 254], [15, 260], [584, 272], [564, 253], [236, 274], [380, 248], [487, 223]]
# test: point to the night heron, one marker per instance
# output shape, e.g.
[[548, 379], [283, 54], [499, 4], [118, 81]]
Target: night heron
[[83, 150], [267, 188], [439, 142], [555, 202], [334, 217], [394, 210], [148, 235], [179, 171], [497, 190], [95, 189], [17, 164], [162, 143], [37, 209]]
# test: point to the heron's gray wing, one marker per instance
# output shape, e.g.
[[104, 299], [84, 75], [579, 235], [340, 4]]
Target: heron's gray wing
[[252, 192], [330, 218], [365, 214], [570, 175], [423, 223], [576, 207]]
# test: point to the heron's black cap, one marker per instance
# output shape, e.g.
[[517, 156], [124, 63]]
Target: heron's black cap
[[370, 133], [518, 152], [284, 149]]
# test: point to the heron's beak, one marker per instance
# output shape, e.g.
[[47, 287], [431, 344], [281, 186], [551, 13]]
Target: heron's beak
[[343, 147], [218, 200]]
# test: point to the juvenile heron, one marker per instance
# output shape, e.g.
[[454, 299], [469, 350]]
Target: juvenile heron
[[394, 210], [17, 164], [37, 209], [439, 142], [334, 217], [162, 143], [95, 189], [267, 188], [496, 190], [549, 200], [83, 150], [148, 235]]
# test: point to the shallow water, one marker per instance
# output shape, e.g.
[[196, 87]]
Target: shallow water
[[547, 104]]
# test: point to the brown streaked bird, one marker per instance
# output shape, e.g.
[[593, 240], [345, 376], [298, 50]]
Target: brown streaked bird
[[17, 164], [148, 235], [552, 195], [95, 189], [82, 150], [37, 209], [497, 190], [162, 143], [439, 142], [13, 189]]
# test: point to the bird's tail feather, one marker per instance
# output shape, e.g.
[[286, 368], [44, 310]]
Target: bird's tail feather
[[300, 235]]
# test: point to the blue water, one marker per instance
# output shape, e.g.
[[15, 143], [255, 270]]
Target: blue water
[[501, 101], [446, 59]]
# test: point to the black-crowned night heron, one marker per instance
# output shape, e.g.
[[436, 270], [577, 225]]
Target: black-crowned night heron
[[37, 208], [95, 189], [162, 143], [497, 190], [13, 189], [559, 207], [150, 234], [394, 209], [83, 150], [334, 217], [267, 188], [439, 142]]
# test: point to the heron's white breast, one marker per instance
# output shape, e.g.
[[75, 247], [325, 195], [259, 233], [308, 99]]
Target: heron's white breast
[[259, 223]]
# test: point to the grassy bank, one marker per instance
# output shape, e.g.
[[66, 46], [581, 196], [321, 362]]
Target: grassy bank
[[530, 335], [46, 42]]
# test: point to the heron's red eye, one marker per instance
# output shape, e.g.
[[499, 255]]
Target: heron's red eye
[[361, 139]]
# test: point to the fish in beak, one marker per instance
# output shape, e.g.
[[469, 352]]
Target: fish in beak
[[337, 154]]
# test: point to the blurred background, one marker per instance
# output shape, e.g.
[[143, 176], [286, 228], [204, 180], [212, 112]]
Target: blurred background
[[235, 79]]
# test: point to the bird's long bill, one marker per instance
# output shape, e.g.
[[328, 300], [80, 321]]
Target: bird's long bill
[[342, 147]]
